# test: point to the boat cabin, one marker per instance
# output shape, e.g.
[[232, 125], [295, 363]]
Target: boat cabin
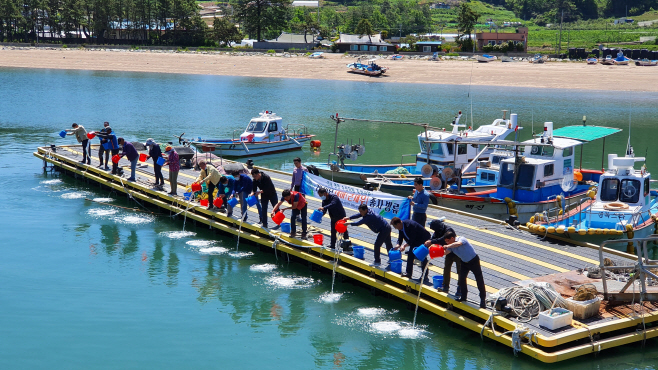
[[266, 127], [622, 186]]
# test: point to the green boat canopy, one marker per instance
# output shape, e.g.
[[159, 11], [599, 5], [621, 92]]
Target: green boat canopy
[[584, 133]]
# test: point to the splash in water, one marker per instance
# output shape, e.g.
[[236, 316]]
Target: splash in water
[[265, 267], [177, 234], [134, 220], [371, 312], [74, 195], [213, 250], [200, 243], [51, 182], [103, 200], [101, 212], [237, 254], [412, 333], [385, 327], [329, 297], [290, 282]]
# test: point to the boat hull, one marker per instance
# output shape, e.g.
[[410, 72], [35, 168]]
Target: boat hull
[[347, 176], [236, 148]]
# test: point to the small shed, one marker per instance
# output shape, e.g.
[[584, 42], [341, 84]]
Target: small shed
[[428, 46], [288, 41]]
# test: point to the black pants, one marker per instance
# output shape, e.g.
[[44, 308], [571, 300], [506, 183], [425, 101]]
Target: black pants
[[297, 188], [346, 234], [159, 179], [410, 262], [211, 191], [101, 151], [466, 267], [419, 217], [115, 166], [383, 237], [449, 260], [293, 219], [86, 156], [264, 199]]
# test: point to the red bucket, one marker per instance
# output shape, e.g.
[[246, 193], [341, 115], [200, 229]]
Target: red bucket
[[196, 187], [115, 158], [436, 251], [142, 157], [318, 239], [91, 135], [341, 227], [278, 218], [204, 202], [218, 202]]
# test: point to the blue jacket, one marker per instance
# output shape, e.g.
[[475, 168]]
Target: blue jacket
[[244, 184], [413, 233], [129, 151], [376, 223], [335, 207], [421, 201], [227, 189], [112, 137]]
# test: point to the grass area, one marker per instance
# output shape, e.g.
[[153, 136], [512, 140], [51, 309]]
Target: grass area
[[487, 11]]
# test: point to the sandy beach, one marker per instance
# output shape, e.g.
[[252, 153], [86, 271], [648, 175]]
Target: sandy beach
[[570, 75]]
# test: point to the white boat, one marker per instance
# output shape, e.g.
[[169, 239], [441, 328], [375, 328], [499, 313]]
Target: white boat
[[485, 58], [537, 59], [264, 134], [608, 61], [317, 55], [370, 69], [646, 63]]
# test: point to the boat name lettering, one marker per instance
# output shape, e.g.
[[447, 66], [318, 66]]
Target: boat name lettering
[[473, 206]]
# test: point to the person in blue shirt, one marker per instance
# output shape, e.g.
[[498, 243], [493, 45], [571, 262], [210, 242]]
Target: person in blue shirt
[[410, 234], [332, 204], [225, 191], [420, 200], [376, 224], [243, 187], [470, 261]]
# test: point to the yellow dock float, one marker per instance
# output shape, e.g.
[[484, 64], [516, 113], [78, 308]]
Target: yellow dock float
[[509, 256]]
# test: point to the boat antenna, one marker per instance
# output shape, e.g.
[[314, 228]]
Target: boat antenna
[[629, 148], [532, 127]]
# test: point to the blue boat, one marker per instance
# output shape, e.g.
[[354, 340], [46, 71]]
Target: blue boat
[[621, 60]]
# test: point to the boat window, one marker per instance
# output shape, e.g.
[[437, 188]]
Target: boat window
[[256, 126], [609, 189], [566, 152], [273, 126], [487, 176], [630, 191], [450, 150], [495, 159], [526, 176], [548, 170], [544, 151], [437, 148], [507, 174], [461, 149], [646, 187]]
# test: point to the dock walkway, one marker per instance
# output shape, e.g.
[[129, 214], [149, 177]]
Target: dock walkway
[[508, 256]]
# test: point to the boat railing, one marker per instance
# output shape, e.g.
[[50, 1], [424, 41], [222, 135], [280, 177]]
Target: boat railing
[[296, 129], [239, 131], [405, 155]]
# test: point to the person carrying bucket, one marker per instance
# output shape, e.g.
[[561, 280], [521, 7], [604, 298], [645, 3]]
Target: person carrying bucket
[[440, 229], [129, 152], [81, 134], [297, 176], [299, 207], [378, 225], [333, 205], [174, 166], [410, 234], [156, 153], [243, 188], [211, 177], [225, 191], [420, 200], [267, 193], [101, 148], [470, 261], [113, 145]]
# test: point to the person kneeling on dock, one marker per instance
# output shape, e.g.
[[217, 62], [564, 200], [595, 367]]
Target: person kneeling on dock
[[378, 225], [298, 206], [333, 205], [440, 229], [470, 261], [412, 234], [211, 177], [267, 193], [129, 152], [225, 192]]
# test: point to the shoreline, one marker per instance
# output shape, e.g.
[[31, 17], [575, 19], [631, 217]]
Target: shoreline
[[556, 75]]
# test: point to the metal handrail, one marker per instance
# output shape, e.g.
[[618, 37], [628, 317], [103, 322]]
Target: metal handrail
[[239, 130], [297, 128], [640, 266], [406, 155]]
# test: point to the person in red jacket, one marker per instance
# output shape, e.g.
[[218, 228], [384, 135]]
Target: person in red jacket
[[299, 207]]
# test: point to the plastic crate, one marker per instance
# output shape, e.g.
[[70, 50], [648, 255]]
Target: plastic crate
[[555, 322], [584, 309]]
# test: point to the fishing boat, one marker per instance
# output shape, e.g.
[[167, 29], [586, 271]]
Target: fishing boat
[[397, 57], [646, 63], [621, 60], [532, 182], [624, 207], [436, 152], [317, 55], [485, 58], [592, 60], [264, 134], [608, 61], [370, 69], [537, 59]]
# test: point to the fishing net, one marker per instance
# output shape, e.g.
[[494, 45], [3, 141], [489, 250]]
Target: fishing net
[[398, 171]]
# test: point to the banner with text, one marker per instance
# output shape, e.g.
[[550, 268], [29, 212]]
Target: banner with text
[[386, 205]]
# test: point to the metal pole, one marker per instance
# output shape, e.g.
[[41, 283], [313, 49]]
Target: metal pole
[[581, 156], [603, 156]]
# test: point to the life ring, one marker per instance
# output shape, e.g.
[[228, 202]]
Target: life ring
[[615, 206]]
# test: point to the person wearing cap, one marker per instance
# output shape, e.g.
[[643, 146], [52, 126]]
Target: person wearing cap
[[101, 148], [174, 166], [156, 153], [332, 204], [420, 200], [211, 177], [243, 188], [113, 145], [438, 237], [377, 224], [129, 152], [298, 205], [81, 134], [267, 193], [413, 235]]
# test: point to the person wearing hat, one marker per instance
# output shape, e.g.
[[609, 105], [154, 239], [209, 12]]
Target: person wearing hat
[[332, 204], [81, 134], [267, 193], [101, 148], [174, 166], [113, 145], [129, 152], [243, 188], [211, 177], [156, 153]]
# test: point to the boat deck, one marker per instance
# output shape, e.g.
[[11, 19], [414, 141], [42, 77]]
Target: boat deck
[[508, 256]]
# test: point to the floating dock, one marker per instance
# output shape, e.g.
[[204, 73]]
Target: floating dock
[[508, 256]]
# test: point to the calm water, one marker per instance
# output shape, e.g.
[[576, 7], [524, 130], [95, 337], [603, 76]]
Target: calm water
[[84, 286]]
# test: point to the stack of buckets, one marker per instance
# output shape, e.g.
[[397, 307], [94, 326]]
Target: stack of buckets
[[395, 259]]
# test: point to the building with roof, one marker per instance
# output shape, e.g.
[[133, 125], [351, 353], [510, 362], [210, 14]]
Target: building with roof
[[497, 38], [290, 41], [428, 46], [363, 43]]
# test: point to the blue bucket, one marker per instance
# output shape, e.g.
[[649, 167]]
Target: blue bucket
[[252, 200], [233, 202], [396, 266], [421, 252], [160, 161], [62, 133], [285, 227], [358, 251], [316, 216], [107, 146], [394, 255], [187, 196], [437, 281]]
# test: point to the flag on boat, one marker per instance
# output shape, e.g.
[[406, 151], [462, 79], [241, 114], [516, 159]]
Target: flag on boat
[[386, 205]]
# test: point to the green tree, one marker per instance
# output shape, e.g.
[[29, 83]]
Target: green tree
[[305, 23], [466, 20], [364, 28], [259, 16], [225, 32]]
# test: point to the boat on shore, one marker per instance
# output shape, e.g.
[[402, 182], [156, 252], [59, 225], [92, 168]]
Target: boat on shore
[[264, 134], [621, 60], [369, 69], [537, 59], [485, 58], [608, 60], [592, 61], [646, 63]]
